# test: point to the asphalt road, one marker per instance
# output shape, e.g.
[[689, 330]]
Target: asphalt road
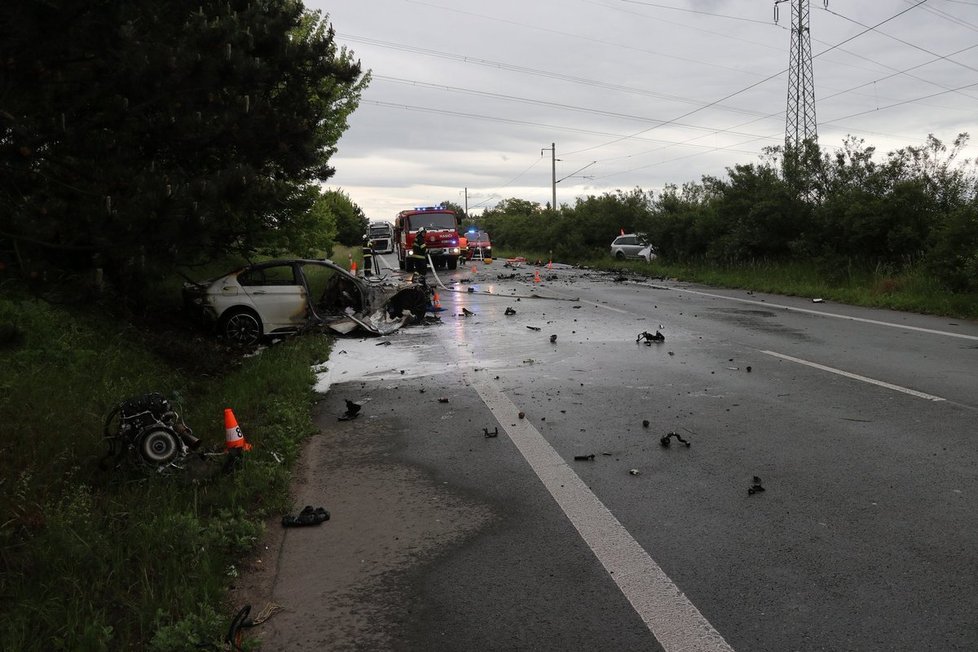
[[859, 425]]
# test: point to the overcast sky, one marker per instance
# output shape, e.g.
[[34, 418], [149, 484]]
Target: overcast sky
[[633, 93]]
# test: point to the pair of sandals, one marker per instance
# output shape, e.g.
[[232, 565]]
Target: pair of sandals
[[308, 516]]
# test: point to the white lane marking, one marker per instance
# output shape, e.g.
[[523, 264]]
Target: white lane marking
[[669, 615], [863, 320], [872, 381]]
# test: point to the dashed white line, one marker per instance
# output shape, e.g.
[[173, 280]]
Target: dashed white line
[[865, 379]]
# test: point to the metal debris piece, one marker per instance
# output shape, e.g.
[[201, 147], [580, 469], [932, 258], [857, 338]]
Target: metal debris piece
[[534, 328], [634, 472], [813, 301], [755, 487], [584, 458], [471, 290], [645, 423], [521, 414], [494, 433], [553, 338], [443, 400], [352, 410], [467, 312], [649, 337], [510, 311], [386, 343], [665, 440]]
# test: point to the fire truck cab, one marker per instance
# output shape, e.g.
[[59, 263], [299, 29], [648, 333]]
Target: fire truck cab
[[440, 225]]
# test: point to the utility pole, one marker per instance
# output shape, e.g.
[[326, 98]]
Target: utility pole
[[553, 173], [466, 202], [800, 124]]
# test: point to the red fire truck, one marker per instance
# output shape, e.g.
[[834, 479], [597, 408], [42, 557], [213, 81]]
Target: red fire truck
[[440, 225]]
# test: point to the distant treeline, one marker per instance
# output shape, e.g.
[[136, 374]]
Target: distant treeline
[[917, 207]]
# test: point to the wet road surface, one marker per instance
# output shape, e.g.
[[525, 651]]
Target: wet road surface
[[858, 424]]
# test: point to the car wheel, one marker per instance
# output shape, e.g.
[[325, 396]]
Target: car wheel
[[620, 255], [158, 445], [242, 327]]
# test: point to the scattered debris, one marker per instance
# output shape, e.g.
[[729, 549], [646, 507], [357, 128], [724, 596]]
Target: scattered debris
[[308, 516], [494, 433], [443, 400], [748, 368], [471, 290], [521, 414], [510, 311], [534, 328], [755, 487], [813, 301], [553, 339], [645, 423], [634, 472], [352, 410], [584, 458], [649, 337], [665, 440], [468, 313], [506, 277], [385, 343]]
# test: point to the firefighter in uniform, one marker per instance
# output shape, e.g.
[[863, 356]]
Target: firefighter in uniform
[[368, 256], [419, 251]]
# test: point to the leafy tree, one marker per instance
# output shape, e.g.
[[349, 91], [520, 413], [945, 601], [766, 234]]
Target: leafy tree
[[136, 135], [457, 209], [351, 223]]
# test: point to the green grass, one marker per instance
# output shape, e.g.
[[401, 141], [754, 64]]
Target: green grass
[[118, 559]]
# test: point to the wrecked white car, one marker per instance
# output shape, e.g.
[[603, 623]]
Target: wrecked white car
[[279, 297]]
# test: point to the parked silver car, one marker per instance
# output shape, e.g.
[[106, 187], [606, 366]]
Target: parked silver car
[[632, 245], [286, 296]]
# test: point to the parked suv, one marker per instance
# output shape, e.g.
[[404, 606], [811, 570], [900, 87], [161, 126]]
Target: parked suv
[[632, 245]]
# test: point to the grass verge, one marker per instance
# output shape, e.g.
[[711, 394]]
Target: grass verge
[[911, 290], [122, 559]]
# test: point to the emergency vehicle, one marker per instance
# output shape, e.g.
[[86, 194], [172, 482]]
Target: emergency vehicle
[[440, 225]]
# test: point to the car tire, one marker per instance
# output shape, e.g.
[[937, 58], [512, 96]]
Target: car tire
[[241, 327], [620, 255]]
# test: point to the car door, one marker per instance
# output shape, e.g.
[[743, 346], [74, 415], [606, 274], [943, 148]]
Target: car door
[[276, 294]]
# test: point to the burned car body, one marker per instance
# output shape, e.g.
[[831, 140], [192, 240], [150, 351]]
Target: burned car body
[[279, 297]]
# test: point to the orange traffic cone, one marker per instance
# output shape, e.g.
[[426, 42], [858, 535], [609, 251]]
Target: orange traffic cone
[[550, 264], [436, 303], [353, 266], [536, 276], [474, 268], [233, 437]]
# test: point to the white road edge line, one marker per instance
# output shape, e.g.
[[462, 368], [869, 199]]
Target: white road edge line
[[821, 313], [666, 611], [872, 381]]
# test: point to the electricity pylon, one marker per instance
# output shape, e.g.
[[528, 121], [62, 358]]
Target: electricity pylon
[[800, 125]]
